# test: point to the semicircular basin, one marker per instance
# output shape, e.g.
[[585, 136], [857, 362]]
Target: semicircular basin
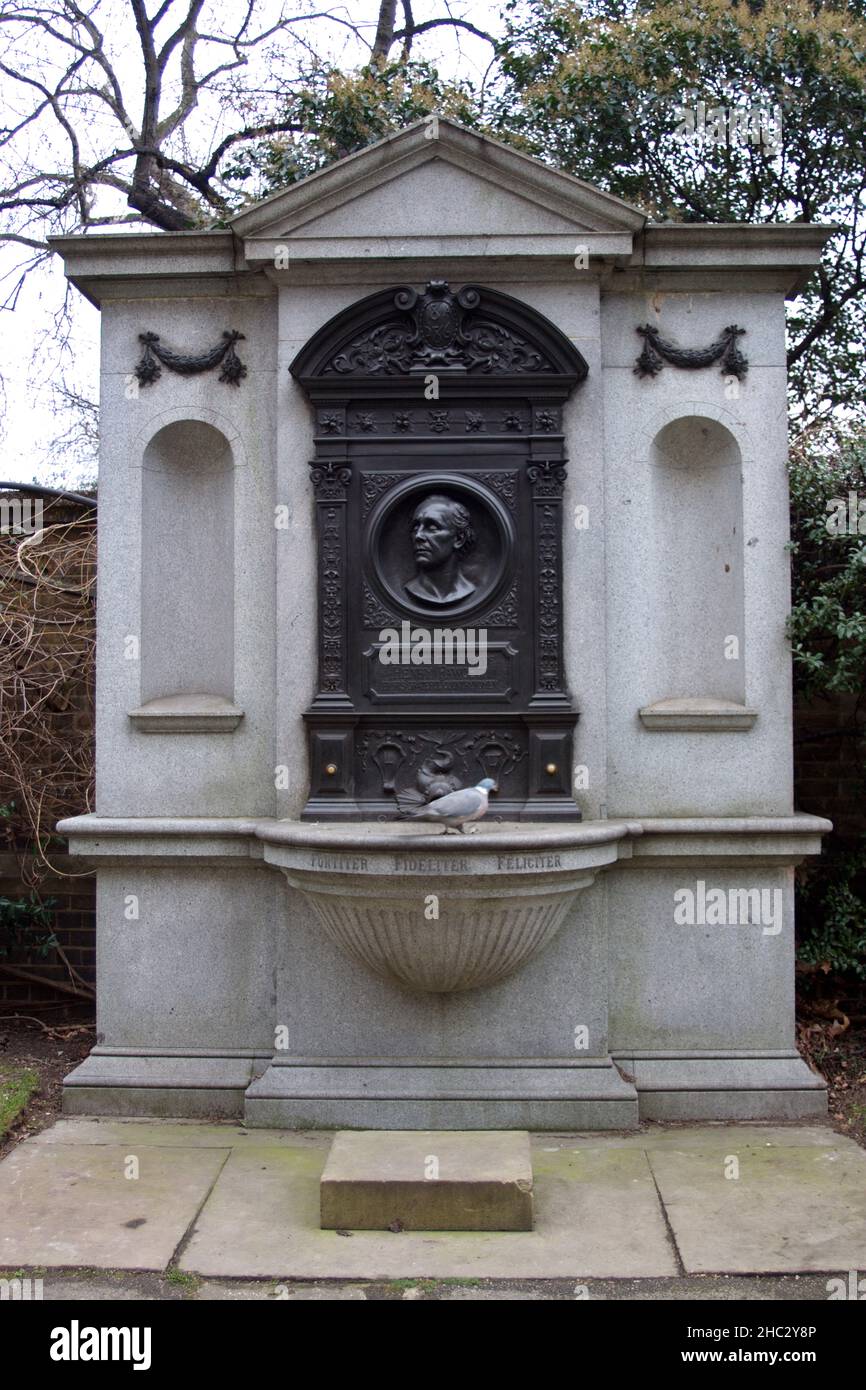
[[435, 914]]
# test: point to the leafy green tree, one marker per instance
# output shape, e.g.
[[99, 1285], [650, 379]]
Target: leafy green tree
[[777, 95], [828, 598], [721, 111], [337, 113]]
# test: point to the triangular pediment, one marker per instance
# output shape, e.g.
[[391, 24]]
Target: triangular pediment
[[438, 180]]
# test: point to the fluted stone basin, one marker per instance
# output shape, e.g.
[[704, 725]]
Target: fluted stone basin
[[442, 913]]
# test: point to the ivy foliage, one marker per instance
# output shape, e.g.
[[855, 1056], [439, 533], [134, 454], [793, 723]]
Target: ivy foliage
[[828, 592]]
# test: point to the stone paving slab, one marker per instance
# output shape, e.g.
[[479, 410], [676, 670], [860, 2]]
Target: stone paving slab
[[597, 1215], [710, 1136], [789, 1208], [243, 1204], [72, 1205], [243, 1292]]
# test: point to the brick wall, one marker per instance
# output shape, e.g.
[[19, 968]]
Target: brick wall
[[74, 925], [829, 761]]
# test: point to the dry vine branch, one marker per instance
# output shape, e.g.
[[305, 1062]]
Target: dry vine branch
[[47, 640]]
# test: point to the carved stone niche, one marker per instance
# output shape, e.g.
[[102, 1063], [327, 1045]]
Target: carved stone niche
[[438, 479]]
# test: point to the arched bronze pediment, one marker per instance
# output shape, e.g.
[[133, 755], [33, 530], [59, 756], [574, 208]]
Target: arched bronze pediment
[[475, 331]]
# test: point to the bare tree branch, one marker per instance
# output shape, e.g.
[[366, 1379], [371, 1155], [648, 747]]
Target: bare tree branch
[[142, 132], [412, 31]]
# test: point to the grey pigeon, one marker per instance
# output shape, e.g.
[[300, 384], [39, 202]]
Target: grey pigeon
[[455, 809]]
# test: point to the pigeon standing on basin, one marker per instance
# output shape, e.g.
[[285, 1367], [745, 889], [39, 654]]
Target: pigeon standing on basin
[[455, 810]]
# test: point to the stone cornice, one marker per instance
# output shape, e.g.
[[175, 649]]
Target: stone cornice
[[158, 264], [787, 252], [781, 256]]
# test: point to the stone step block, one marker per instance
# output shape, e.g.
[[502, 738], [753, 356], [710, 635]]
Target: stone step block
[[428, 1180]]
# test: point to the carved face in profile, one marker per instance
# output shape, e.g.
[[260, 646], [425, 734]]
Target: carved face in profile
[[442, 537]]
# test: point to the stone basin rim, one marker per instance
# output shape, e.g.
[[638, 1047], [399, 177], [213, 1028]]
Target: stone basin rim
[[527, 836], [268, 828]]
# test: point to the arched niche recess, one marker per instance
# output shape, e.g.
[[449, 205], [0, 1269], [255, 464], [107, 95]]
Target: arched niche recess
[[187, 582], [698, 651]]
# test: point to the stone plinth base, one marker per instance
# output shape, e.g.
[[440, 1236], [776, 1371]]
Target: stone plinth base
[[304, 1093], [725, 1085], [427, 1180], [170, 1083], [540, 1094]]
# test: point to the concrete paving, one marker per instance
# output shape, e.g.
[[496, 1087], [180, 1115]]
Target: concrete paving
[[86, 1287], [226, 1204]]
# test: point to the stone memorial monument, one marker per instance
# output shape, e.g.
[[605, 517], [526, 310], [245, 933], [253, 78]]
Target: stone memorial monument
[[442, 469]]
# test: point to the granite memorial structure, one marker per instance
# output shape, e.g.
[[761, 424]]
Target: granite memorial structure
[[442, 468]]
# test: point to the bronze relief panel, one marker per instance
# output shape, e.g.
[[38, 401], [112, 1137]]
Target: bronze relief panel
[[439, 477]]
